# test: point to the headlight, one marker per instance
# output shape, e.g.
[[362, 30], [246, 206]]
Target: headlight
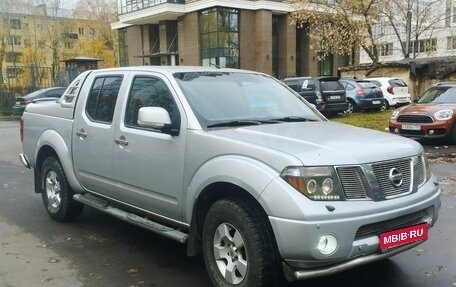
[[317, 183], [444, 115], [394, 114]]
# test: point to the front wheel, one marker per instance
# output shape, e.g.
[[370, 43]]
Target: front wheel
[[56, 192], [238, 246]]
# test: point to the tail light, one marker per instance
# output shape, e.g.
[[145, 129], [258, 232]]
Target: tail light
[[22, 129], [390, 90], [360, 92], [320, 98]]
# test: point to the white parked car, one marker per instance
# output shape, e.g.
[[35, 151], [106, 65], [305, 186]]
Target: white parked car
[[395, 90]]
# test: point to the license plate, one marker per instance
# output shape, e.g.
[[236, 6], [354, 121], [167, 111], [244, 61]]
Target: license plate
[[18, 103], [403, 236], [411, 127], [402, 100], [376, 102], [334, 97]]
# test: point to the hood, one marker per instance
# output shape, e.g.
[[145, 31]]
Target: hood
[[425, 109], [325, 143]]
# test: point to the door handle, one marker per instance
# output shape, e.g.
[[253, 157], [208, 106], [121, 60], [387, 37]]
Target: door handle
[[121, 141], [81, 134]]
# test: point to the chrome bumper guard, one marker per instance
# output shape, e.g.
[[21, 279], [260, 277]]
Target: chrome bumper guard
[[24, 160]]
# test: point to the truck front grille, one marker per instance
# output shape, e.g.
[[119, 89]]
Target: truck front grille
[[382, 180]]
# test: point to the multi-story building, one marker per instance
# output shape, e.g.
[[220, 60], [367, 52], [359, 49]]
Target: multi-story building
[[247, 34], [37, 44], [432, 33]]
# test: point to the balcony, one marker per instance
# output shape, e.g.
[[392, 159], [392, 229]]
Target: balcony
[[127, 6]]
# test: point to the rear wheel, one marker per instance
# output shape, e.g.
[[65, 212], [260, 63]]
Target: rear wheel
[[238, 246], [56, 192], [384, 105], [351, 107]]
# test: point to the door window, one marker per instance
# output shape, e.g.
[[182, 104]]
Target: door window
[[150, 92], [102, 99]]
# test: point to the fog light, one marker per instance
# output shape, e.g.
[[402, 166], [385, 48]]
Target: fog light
[[431, 132], [396, 130], [327, 244]]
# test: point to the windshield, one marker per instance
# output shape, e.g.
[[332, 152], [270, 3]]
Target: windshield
[[245, 98], [439, 95]]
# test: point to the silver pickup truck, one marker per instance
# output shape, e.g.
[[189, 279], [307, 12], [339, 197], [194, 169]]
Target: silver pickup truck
[[233, 164]]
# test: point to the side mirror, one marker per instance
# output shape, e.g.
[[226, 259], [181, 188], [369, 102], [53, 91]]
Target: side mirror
[[153, 117]]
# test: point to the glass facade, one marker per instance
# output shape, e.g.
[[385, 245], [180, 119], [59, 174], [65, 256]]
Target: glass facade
[[123, 48], [219, 37], [126, 6]]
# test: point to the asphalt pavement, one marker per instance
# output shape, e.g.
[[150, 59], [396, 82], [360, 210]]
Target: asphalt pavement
[[98, 250]]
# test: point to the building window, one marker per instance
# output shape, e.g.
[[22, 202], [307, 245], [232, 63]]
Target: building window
[[14, 41], [91, 31], [386, 50], [39, 27], [220, 37], [81, 31], [123, 51], [454, 15], [275, 46], [15, 24], [13, 57], [451, 43], [325, 66], [69, 45]]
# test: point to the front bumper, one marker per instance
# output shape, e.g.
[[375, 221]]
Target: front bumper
[[437, 129], [298, 239]]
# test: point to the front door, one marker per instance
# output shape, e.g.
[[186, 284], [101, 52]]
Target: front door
[[148, 164]]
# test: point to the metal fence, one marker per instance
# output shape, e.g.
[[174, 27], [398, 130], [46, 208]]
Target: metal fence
[[20, 80]]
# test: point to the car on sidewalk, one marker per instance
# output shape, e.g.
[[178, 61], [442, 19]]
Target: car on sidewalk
[[363, 95], [395, 90], [433, 115]]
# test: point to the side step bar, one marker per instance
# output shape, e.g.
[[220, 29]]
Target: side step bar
[[155, 227]]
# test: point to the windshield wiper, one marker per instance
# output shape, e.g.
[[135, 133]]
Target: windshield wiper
[[236, 123], [294, 119]]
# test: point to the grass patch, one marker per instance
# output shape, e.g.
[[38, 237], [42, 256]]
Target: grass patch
[[372, 120]]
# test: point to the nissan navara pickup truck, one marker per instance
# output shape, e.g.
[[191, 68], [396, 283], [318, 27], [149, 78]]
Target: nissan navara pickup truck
[[235, 165]]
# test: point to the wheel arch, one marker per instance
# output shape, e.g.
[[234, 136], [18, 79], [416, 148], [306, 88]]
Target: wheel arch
[[52, 144], [211, 194]]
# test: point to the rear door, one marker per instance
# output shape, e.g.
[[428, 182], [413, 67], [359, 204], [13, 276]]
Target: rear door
[[93, 132]]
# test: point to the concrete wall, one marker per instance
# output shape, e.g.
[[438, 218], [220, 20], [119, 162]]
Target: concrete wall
[[137, 38], [189, 47], [287, 48], [263, 43], [247, 48]]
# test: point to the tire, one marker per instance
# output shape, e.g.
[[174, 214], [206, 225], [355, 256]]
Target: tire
[[384, 106], [351, 107], [238, 247], [56, 192], [453, 135]]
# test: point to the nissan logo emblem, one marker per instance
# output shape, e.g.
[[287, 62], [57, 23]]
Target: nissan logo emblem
[[395, 177]]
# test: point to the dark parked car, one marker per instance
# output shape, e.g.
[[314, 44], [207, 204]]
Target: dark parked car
[[326, 93], [432, 116], [363, 95], [22, 102]]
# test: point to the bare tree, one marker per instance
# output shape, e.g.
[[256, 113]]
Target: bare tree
[[339, 27], [412, 20]]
